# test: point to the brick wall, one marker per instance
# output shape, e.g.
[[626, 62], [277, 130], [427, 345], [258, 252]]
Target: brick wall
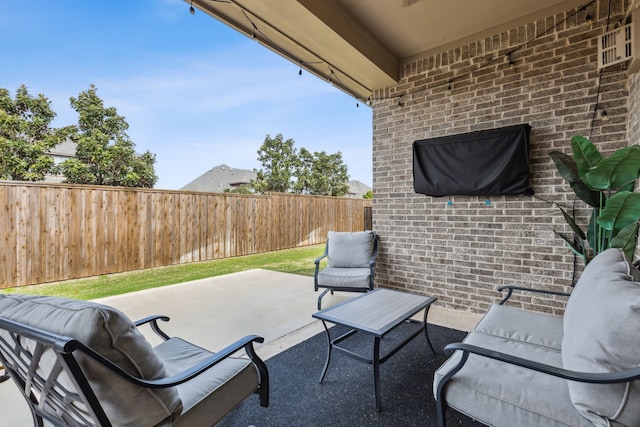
[[461, 248]]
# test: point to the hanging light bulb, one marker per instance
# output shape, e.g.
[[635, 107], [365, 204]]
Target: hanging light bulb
[[588, 19], [601, 114], [191, 9], [369, 101]]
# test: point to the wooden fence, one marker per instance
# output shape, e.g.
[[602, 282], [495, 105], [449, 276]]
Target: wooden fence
[[53, 232]]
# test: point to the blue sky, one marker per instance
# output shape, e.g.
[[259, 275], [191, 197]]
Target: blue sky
[[194, 92]]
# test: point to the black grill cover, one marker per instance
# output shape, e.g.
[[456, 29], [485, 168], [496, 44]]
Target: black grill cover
[[483, 163]]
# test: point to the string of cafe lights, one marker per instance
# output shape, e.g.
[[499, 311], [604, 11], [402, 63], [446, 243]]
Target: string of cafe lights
[[599, 112], [332, 74], [508, 57]]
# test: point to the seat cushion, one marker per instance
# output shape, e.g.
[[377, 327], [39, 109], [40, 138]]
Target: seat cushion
[[500, 394], [110, 333], [348, 250], [493, 392], [344, 277], [211, 395], [601, 324]]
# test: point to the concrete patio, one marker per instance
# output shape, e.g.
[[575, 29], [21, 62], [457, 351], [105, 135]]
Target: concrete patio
[[216, 311]]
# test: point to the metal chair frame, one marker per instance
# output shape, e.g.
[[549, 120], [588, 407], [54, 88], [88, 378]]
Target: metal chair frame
[[49, 399], [468, 349], [372, 265]]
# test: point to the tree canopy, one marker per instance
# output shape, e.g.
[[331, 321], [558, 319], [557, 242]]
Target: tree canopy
[[285, 169], [279, 159], [26, 136], [105, 154], [320, 173]]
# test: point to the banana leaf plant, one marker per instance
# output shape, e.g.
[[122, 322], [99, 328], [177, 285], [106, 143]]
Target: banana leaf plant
[[606, 184]]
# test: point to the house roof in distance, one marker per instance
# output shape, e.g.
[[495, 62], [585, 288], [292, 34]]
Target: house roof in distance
[[224, 177], [220, 178]]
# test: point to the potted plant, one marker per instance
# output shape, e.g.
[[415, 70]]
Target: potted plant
[[606, 184]]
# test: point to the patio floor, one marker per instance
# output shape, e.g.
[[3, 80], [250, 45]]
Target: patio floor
[[216, 311]]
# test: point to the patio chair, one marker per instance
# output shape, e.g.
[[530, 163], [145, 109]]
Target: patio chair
[[351, 260], [79, 363]]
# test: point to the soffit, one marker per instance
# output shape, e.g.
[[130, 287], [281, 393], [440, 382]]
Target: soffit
[[359, 45]]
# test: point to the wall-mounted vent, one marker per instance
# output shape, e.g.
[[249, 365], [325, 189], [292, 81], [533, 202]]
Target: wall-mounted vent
[[615, 46]]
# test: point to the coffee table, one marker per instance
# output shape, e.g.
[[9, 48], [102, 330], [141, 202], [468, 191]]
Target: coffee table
[[375, 313]]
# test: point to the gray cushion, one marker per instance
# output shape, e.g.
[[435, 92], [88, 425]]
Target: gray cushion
[[601, 325], [500, 394], [350, 249], [211, 395], [345, 277], [110, 333], [493, 392]]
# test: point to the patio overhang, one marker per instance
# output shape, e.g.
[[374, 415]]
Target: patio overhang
[[359, 45]]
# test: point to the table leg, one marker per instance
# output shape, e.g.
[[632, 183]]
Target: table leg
[[326, 364], [426, 333], [376, 372]]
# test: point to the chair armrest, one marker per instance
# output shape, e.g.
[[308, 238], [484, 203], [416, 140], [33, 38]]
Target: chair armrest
[[321, 257], [585, 377], [317, 270], [510, 290], [245, 343], [153, 320]]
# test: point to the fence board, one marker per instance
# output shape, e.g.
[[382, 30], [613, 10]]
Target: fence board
[[53, 232]]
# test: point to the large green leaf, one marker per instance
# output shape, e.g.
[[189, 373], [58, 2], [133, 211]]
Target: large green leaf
[[585, 154], [616, 171], [626, 239], [568, 169], [621, 210], [572, 223], [577, 247]]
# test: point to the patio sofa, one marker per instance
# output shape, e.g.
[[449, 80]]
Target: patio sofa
[[522, 368]]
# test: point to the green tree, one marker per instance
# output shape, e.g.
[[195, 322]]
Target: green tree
[[368, 195], [26, 136], [279, 160], [304, 172], [284, 169], [105, 155], [241, 189], [321, 174]]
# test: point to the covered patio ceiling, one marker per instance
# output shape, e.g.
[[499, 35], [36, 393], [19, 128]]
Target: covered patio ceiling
[[359, 45]]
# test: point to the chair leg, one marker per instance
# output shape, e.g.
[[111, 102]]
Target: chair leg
[[320, 297], [440, 410]]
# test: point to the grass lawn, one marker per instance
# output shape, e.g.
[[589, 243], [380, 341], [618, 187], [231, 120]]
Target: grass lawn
[[296, 261]]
